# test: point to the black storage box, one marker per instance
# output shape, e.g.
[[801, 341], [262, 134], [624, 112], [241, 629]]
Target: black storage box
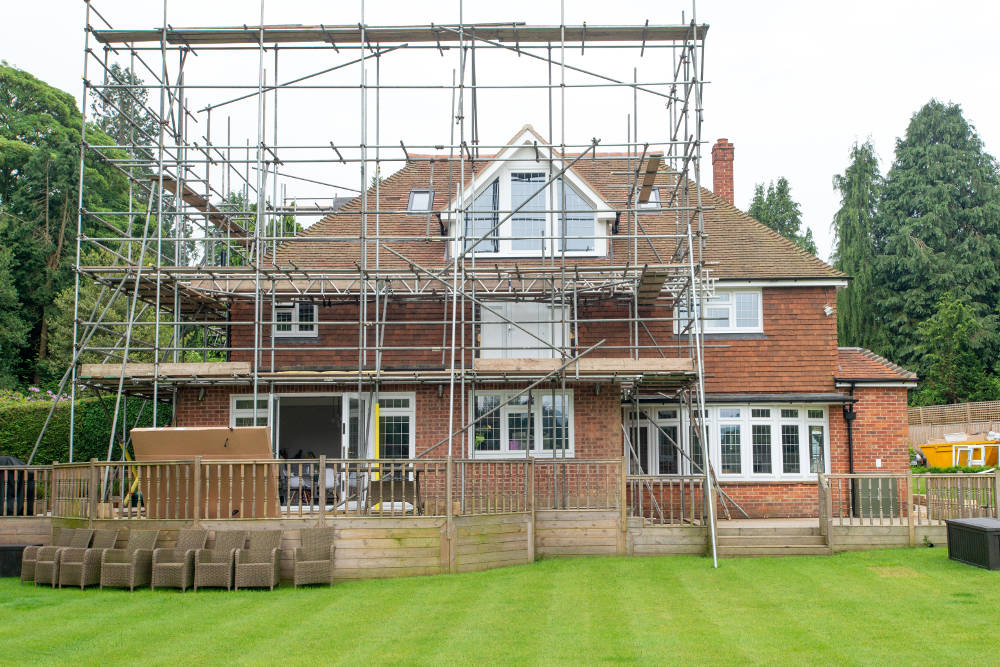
[[975, 541], [10, 559]]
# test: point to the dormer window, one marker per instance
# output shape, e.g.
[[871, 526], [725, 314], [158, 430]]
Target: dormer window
[[524, 205], [536, 217], [421, 202]]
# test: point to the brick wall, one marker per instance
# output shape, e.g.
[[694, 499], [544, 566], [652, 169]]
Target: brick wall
[[880, 429]]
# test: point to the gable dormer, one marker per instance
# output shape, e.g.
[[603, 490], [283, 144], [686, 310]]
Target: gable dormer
[[520, 206]]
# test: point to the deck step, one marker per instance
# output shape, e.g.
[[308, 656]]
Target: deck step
[[746, 531], [773, 550], [771, 540]]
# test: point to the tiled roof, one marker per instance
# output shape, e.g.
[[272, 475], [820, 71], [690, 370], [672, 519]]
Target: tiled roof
[[857, 363], [738, 247]]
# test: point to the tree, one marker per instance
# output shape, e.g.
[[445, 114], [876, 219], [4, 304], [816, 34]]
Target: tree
[[776, 209], [953, 347], [121, 110], [938, 228], [13, 328], [860, 188], [39, 176]]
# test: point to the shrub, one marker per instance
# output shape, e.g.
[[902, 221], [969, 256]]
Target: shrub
[[21, 421], [917, 470]]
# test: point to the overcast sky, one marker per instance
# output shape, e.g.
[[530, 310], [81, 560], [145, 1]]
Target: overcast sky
[[792, 84]]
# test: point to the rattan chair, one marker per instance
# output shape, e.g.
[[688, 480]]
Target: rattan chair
[[314, 559], [47, 563], [82, 567], [60, 538], [132, 565], [257, 565], [214, 567], [174, 568]]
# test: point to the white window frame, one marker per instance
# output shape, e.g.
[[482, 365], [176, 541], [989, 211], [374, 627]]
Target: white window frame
[[715, 325], [296, 331], [248, 413], [410, 412], [803, 422], [537, 450]]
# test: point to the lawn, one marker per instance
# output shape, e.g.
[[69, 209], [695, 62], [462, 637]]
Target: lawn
[[898, 606]]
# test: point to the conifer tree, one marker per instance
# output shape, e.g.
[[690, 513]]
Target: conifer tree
[[776, 209], [938, 228], [860, 187]]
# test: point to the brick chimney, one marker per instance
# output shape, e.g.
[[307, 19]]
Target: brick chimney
[[722, 169]]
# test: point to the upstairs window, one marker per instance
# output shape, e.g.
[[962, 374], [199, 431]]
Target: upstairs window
[[540, 327], [535, 218], [651, 204], [295, 319], [421, 201], [482, 219], [729, 311]]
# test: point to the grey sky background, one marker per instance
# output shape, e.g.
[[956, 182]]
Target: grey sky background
[[792, 84]]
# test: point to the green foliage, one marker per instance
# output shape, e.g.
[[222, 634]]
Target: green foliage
[[122, 111], [954, 347], [860, 188], [39, 184], [21, 422], [776, 209], [13, 328], [938, 229]]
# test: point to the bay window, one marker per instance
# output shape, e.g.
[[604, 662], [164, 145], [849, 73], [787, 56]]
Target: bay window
[[752, 442]]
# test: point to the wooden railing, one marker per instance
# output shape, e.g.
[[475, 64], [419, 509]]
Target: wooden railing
[[907, 499], [25, 490], [667, 499], [310, 488], [586, 484]]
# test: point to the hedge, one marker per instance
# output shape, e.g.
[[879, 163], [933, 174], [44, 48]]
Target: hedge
[[20, 424]]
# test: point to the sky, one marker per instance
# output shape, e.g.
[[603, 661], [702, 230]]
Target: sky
[[791, 84]]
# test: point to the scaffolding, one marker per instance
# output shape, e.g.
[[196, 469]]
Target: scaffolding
[[180, 290]]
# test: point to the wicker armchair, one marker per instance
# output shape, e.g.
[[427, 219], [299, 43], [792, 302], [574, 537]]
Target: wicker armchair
[[214, 567], [47, 562], [82, 567], [130, 566], [60, 538], [174, 568], [258, 564], [314, 559]]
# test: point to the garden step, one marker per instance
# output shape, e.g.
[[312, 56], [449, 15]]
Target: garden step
[[773, 550], [734, 531], [771, 540]]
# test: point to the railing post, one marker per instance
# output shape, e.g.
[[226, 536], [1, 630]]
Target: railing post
[[196, 511], [996, 493], [622, 510], [910, 525], [92, 493], [531, 508], [821, 500], [321, 502], [450, 514]]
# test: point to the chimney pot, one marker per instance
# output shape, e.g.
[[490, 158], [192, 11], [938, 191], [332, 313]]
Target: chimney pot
[[722, 170]]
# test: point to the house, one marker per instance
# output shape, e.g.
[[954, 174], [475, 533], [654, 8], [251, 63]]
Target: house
[[554, 344]]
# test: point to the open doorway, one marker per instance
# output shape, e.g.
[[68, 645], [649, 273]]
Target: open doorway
[[309, 426]]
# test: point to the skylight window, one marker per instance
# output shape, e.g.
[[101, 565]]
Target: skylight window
[[420, 201]]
